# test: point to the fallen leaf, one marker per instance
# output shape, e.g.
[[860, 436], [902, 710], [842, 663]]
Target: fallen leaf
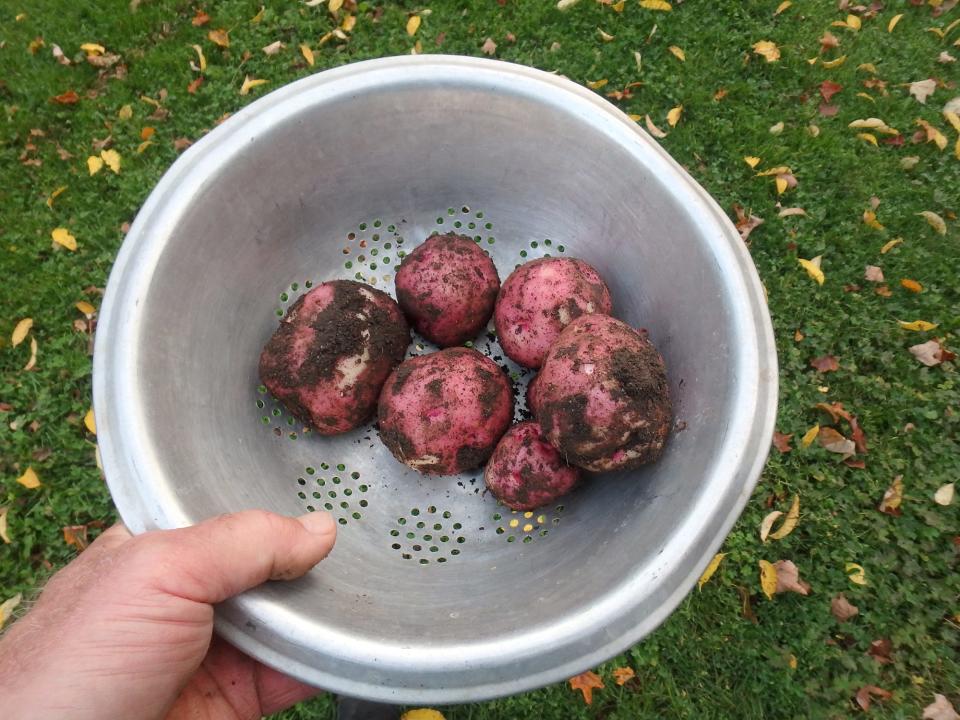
[[334, 6], [936, 222], [880, 651], [70, 97], [29, 479], [790, 212], [911, 285], [422, 714], [31, 363], [809, 436], [782, 6], [751, 160], [834, 442], [93, 48], [255, 20], [90, 422], [21, 331], [605, 36], [767, 50], [944, 494], [777, 128], [813, 130], [868, 67], [182, 143], [828, 42], [219, 37], [869, 138], [7, 607], [781, 441], [940, 709], [200, 19], [779, 170], [922, 89], [192, 88], [678, 53], [893, 497], [890, 245], [768, 579], [931, 353], [86, 308], [76, 536], [62, 236], [586, 683], [618, 6], [653, 129], [597, 84], [813, 268], [953, 118], [828, 110], [711, 569], [873, 274], [59, 56], [103, 61], [656, 5], [249, 83], [489, 47], [825, 363], [273, 48], [893, 22], [566, 4], [789, 522], [835, 63], [111, 159], [828, 89], [307, 54], [94, 164], [856, 573], [933, 134], [867, 692], [3, 525], [788, 578], [841, 608], [413, 24], [945, 57], [201, 58], [851, 23], [350, 21], [917, 325], [623, 675]]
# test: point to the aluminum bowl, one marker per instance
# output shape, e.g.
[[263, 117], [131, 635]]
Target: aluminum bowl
[[434, 593]]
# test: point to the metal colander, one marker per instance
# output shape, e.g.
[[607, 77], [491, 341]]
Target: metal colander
[[434, 592]]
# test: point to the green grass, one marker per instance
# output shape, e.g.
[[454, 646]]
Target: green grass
[[706, 661]]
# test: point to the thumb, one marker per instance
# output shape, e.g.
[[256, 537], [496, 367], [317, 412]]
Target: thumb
[[226, 555]]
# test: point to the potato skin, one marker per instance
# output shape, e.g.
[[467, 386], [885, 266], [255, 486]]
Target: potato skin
[[539, 299], [334, 349], [525, 471], [447, 288], [533, 395], [603, 397], [443, 413]]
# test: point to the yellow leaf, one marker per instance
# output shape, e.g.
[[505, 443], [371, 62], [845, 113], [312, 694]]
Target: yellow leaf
[[678, 53], [62, 236], [711, 569], [249, 83], [870, 219], [835, 63], [307, 54], [85, 307], [7, 607], [112, 160], [810, 436], [219, 37], [893, 497], [868, 137], [768, 50], [29, 479], [912, 285], [596, 84], [125, 113], [853, 22], [933, 134], [90, 422], [93, 49], [618, 6], [856, 573], [623, 675], [33, 355], [890, 245], [413, 24], [779, 170], [653, 129], [605, 36], [768, 579], [55, 194], [917, 325], [20, 331], [792, 661], [953, 119], [781, 184], [782, 6], [673, 117], [349, 22], [867, 67], [147, 132], [865, 96], [751, 160], [255, 20], [656, 5], [936, 222], [790, 522], [893, 22], [334, 5], [635, 117], [767, 524], [201, 58], [936, 31], [944, 494], [3, 526], [422, 714], [94, 164], [143, 146]]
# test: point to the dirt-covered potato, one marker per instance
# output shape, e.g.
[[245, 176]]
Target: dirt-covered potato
[[602, 395], [533, 395], [332, 352], [539, 299], [525, 471], [444, 412], [447, 288]]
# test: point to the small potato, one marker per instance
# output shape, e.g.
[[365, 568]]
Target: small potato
[[602, 395], [525, 471], [332, 352], [444, 412], [539, 299], [447, 288]]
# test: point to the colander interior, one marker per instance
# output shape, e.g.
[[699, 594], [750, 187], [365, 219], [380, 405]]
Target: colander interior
[[434, 591]]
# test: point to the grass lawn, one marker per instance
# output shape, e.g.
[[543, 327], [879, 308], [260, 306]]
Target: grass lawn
[[785, 657]]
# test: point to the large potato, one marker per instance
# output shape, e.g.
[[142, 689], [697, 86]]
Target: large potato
[[332, 352], [602, 395], [539, 299], [444, 412]]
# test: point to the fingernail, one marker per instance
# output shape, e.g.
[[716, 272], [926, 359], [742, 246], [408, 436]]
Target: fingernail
[[318, 523]]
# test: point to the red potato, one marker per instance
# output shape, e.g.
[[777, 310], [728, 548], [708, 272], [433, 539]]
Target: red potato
[[539, 299], [525, 471], [602, 395], [447, 288], [533, 395], [444, 412], [332, 353]]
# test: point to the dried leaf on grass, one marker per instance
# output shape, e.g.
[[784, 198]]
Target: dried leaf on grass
[[826, 363], [21, 331], [944, 494], [842, 609], [812, 267], [623, 675], [767, 50], [872, 273], [3, 525], [29, 479], [710, 570], [7, 607], [892, 498], [834, 442], [880, 650], [781, 441], [788, 578], [931, 353], [940, 709], [867, 692], [586, 683], [856, 573]]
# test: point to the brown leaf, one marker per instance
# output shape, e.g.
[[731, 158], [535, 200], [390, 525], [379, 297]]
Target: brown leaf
[[586, 683], [873, 274], [826, 363], [940, 708], [107, 60], [828, 42], [70, 97], [828, 89], [841, 608], [219, 37], [857, 435], [623, 674], [181, 144], [892, 498], [883, 291], [76, 535], [788, 578], [834, 442], [200, 19], [911, 285], [489, 47], [931, 353], [828, 110], [746, 604], [196, 83], [746, 223], [880, 651], [781, 441], [867, 692]]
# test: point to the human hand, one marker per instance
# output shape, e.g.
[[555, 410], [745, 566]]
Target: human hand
[[126, 629]]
